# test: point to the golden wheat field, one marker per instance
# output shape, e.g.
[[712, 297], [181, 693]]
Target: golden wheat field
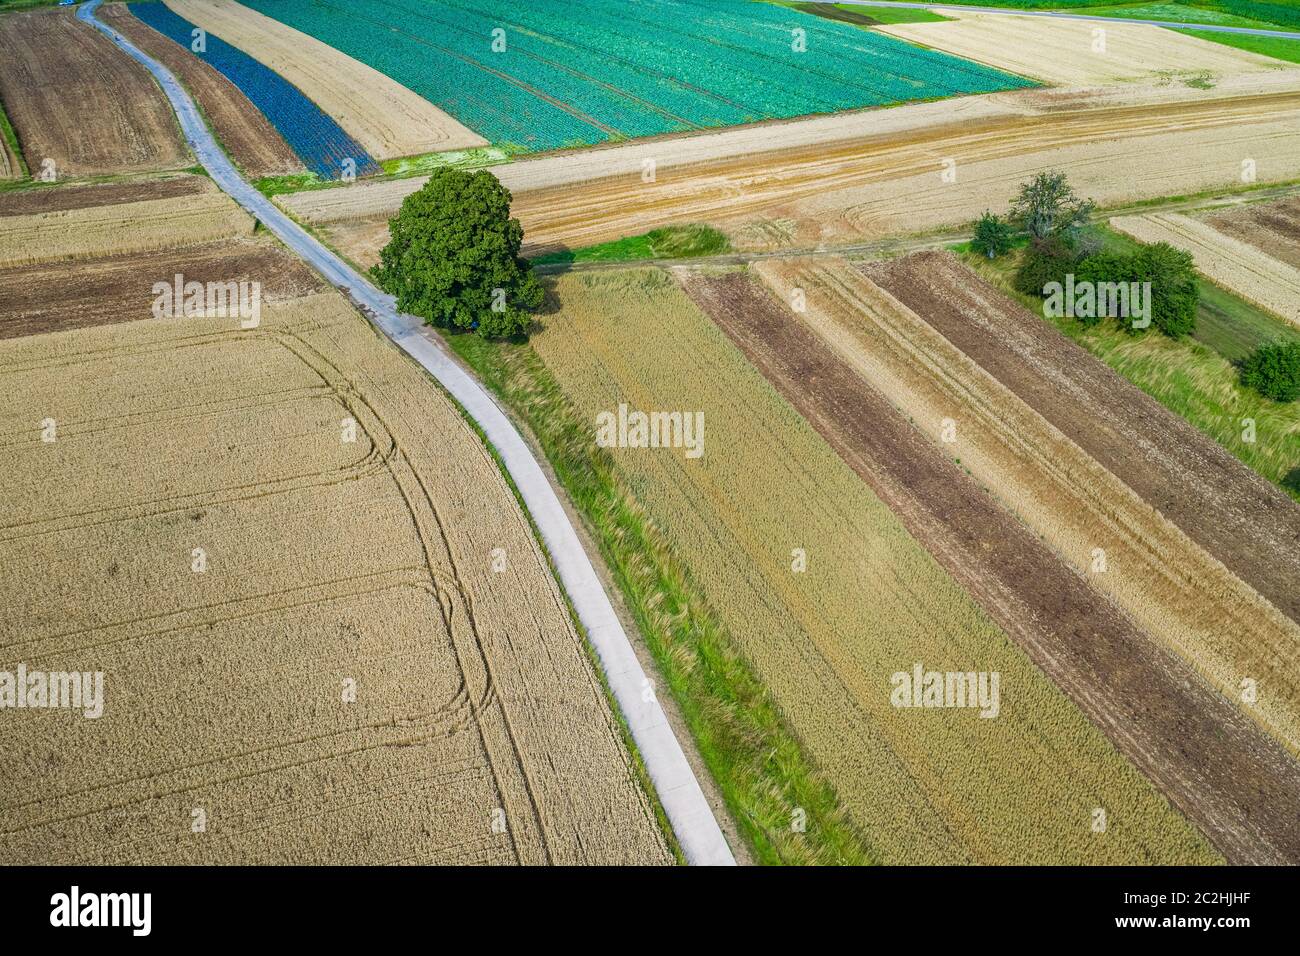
[[325, 630], [921, 786], [1238, 266], [1078, 51], [382, 115], [139, 226], [1168, 584]]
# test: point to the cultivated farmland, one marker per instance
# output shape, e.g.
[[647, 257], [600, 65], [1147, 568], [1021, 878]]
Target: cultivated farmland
[[303, 637], [849, 182], [545, 75], [137, 226], [77, 101], [1273, 228], [920, 786], [55, 297], [319, 142], [1174, 727], [384, 117], [1169, 586], [1237, 266], [1080, 52], [1245, 522], [246, 134]]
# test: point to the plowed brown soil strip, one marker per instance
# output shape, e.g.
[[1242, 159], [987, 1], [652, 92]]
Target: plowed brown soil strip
[[1238, 786], [1241, 519], [75, 99], [245, 133], [25, 202], [1273, 228], [62, 296]]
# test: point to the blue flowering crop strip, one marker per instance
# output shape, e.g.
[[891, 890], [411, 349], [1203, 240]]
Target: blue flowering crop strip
[[320, 143]]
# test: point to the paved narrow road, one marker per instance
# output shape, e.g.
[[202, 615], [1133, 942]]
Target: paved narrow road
[[688, 812], [1072, 15]]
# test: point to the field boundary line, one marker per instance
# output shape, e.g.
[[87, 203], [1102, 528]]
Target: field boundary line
[[678, 790]]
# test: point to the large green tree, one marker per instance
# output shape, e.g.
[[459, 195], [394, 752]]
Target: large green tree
[[453, 258], [1046, 207]]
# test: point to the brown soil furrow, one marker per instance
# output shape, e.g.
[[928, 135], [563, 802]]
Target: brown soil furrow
[[1273, 228], [80, 103], [1239, 786], [43, 198], [57, 297], [255, 145], [1240, 518]]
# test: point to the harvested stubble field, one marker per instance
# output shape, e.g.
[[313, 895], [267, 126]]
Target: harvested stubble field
[[1273, 228], [1245, 522], [245, 133], [1065, 51], [1168, 584], [383, 116], [1238, 266], [60, 296], [874, 186], [920, 786], [138, 226], [327, 563], [1202, 753], [77, 100]]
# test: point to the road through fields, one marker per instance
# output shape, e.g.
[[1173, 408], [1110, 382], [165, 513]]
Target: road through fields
[[678, 790]]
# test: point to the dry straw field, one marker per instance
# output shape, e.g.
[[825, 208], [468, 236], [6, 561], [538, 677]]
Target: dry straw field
[[1078, 52], [312, 650], [382, 115], [1204, 754], [140, 226], [1171, 587], [874, 187], [1238, 266], [921, 786], [78, 101]]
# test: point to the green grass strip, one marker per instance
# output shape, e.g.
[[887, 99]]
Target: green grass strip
[[670, 242]]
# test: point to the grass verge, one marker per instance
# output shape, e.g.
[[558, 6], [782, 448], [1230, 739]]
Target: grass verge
[[1280, 48], [670, 242], [754, 758]]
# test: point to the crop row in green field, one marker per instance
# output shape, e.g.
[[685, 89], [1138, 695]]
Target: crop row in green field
[[556, 73]]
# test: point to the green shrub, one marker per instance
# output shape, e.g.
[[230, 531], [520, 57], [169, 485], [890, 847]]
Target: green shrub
[[1274, 371], [1174, 293], [992, 236], [1046, 260]]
